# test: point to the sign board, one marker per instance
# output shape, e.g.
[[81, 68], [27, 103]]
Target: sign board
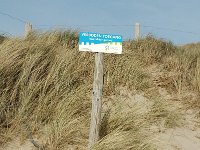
[[96, 42]]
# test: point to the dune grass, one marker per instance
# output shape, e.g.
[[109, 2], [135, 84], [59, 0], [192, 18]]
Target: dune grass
[[46, 84]]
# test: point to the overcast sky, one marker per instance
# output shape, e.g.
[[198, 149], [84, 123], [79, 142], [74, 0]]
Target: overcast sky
[[174, 20]]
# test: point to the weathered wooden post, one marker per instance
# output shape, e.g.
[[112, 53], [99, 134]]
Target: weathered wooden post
[[99, 43], [137, 31], [28, 29], [96, 100]]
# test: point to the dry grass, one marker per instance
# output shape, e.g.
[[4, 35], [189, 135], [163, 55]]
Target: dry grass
[[151, 50], [46, 84], [185, 67], [123, 128]]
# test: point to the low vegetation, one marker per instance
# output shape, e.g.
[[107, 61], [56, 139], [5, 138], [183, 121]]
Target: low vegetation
[[46, 86]]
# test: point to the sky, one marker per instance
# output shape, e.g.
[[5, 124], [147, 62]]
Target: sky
[[177, 21]]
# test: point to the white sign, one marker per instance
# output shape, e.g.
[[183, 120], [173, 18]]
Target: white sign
[[95, 42]]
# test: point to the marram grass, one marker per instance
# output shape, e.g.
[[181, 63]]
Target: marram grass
[[46, 84]]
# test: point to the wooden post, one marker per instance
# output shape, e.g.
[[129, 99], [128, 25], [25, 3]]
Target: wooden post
[[137, 31], [28, 29], [96, 100]]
